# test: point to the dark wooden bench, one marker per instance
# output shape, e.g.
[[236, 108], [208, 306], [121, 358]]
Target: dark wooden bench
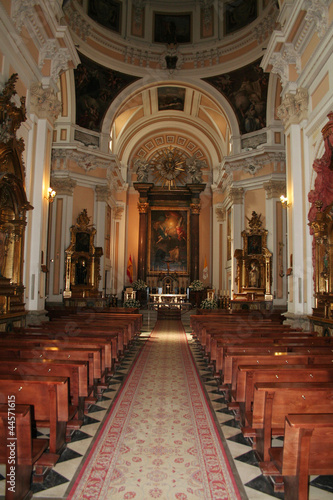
[[49, 398], [92, 355], [18, 450], [307, 450], [75, 371]]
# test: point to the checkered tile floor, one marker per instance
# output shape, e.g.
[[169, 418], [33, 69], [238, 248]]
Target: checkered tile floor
[[252, 484]]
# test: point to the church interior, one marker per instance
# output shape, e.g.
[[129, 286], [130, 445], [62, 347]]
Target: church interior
[[166, 173]]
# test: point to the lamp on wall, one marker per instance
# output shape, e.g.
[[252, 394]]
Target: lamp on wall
[[50, 195], [284, 201]]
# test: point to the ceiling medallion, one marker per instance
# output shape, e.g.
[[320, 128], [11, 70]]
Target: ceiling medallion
[[169, 167]]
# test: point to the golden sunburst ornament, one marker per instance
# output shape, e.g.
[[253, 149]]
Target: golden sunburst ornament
[[169, 167]]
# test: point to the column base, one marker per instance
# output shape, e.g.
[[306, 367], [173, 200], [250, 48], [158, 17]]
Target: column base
[[297, 320], [36, 317]]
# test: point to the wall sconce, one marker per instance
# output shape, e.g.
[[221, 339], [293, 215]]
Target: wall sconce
[[284, 201], [50, 195]]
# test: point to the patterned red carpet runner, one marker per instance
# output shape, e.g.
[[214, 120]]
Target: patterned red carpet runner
[[159, 440]]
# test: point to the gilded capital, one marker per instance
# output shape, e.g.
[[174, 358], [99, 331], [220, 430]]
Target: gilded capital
[[195, 208], [143, 207]]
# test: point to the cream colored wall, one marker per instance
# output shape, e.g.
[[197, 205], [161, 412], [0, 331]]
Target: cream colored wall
[[83, 197], [254, 200]]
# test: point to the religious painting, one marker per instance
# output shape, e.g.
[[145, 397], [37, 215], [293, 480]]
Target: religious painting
[[95, 89], [168, 248], [254, 245], [106, 12], [82, 242], [246, 90], [172, 28], [171, 98], [239, 13]]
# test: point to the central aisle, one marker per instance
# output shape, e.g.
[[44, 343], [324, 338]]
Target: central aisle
[[159, 440]]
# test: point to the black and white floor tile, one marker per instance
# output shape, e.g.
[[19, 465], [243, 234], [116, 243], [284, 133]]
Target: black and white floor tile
[[57, 484]]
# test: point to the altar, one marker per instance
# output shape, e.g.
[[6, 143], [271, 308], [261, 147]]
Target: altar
[[172, 300]]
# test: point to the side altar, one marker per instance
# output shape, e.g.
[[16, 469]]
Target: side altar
[[254, 269], [83, 266]]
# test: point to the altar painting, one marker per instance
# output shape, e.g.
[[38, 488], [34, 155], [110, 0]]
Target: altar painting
[[168, 240]]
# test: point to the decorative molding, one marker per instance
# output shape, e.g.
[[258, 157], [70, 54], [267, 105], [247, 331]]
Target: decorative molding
[[274, 189], [220, 214], [86, 139], [63, 185], [102, 193], [280, 63], [44, 102], [236, 196], [294, 107], [59, 57], [317, 13], [77, 22], [254, 141], [117, 212]]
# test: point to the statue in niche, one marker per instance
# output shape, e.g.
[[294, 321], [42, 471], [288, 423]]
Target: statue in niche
[[194, 167], [142, 170], [254, 275], [81, 272]]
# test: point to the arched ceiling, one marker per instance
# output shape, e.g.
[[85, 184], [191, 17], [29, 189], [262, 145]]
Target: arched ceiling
[[177, 115]]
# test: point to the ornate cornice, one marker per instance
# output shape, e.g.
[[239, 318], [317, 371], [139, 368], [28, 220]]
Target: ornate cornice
[[294, 107], [58, 56], [317, 13], [44, 102], [102, 193], [280, 62], [63, 185], [274, 189]]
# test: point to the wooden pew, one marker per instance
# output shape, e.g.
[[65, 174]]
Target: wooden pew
[[43, 340], [49, 398], [307, 450], [249, 375], [75, 371], [19, 454], [272, 402], [92, 355]]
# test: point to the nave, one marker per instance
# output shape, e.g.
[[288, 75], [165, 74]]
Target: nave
[[251, 484]]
